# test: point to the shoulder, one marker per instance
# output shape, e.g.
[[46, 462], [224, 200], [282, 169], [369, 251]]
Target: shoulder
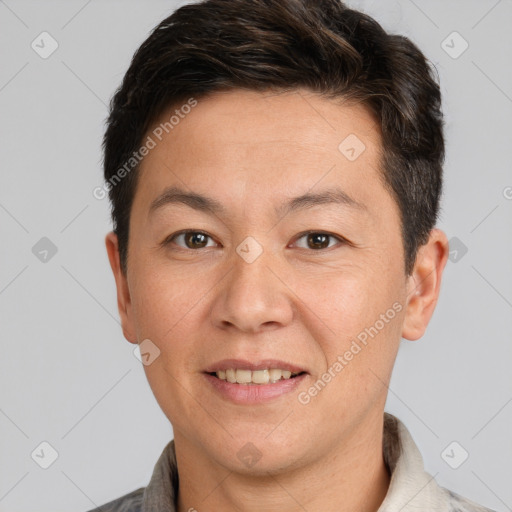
[[460, 504], [131, 502]]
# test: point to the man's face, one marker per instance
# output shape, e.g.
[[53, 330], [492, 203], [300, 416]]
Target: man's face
[[250, 284]]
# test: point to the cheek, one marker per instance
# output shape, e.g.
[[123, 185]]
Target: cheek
[[160, 302], [169, 310], [342, 300], [163, 308], [356, 316]]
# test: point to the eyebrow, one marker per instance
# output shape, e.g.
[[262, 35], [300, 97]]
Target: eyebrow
[[176, 195]]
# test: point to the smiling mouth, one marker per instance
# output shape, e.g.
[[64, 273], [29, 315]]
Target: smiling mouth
[[256, 377]]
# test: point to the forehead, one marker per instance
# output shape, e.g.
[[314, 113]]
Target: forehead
[[255, 147], [245, 118]]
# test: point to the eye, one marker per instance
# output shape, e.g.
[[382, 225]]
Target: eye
[[318, 240], [190, 240]]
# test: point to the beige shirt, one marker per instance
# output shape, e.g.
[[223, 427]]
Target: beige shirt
[[411, 488]]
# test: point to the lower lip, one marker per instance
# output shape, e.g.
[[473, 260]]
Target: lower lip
[[253, 393]]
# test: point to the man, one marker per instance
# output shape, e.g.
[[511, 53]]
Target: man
[[275, 169]]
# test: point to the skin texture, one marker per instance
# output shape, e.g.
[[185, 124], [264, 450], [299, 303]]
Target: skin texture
[[252, 152]]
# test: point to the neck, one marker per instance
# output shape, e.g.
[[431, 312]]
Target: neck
[[351, 477]]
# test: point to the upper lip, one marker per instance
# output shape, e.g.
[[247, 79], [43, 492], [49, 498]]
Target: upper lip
[[242, 364]]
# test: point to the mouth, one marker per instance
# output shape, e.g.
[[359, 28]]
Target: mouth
[[245, 382], [242, 371]]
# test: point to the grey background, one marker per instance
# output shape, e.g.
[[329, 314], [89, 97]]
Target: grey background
[[69, 378]]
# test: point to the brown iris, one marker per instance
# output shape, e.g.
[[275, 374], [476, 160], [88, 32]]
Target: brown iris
[[195, 240], [318, 240]]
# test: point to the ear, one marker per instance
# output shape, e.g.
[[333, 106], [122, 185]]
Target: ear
[[424, 284], [123, 292]]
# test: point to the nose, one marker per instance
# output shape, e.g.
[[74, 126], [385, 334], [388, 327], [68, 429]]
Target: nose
[[253, 297]]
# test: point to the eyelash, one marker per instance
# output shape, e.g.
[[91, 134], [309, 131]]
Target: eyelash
[[173, 237]]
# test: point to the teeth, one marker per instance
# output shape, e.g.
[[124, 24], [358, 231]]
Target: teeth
[[274, 375], [243, 376], [254, 377], [260, 377]]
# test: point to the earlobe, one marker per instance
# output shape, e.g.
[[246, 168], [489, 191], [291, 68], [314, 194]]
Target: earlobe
[[123, 292], [424, 285]]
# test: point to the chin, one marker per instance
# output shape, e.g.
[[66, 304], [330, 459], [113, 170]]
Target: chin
[[266, 463], [258, 457]]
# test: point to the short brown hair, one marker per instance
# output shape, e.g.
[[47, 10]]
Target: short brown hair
[[261, 45]]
